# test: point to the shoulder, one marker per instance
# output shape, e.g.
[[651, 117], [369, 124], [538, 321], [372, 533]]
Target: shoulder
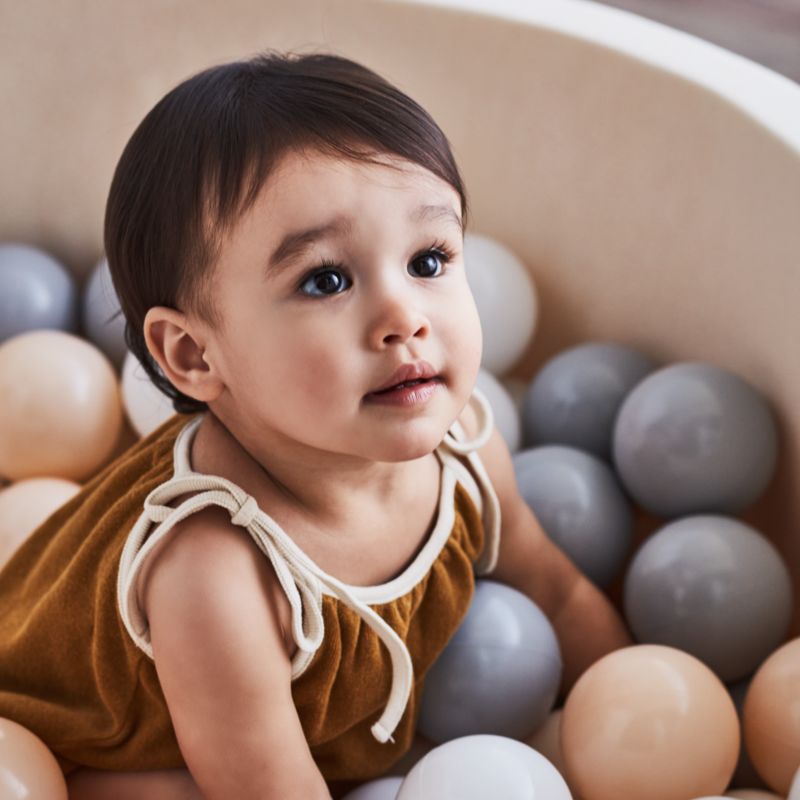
[[207, 567]]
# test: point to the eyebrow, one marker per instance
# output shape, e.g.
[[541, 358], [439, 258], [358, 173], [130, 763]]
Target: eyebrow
[[297, 242]]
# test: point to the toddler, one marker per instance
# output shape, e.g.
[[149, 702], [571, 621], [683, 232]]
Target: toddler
[[245, 603]]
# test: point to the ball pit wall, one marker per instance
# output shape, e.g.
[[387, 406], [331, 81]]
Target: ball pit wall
[[650, 180]]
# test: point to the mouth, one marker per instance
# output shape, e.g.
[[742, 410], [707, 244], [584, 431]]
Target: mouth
[[406, 384], [411, 394], [410, 374]]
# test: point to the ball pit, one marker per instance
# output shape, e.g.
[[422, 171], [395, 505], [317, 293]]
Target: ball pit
[[691, 255]]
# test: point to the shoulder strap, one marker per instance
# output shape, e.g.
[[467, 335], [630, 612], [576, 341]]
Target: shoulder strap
[[468, 466], [299, 576]]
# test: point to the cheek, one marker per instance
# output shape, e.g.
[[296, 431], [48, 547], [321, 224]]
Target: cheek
[[467, 334], [312, 366]]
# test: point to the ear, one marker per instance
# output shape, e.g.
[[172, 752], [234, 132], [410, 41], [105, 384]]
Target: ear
[[178, 348]]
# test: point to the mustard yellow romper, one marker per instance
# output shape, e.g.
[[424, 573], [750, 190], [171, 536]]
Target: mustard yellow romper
[[76, 662]]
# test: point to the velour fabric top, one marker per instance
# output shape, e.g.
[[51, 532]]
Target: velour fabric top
[[76, 664]]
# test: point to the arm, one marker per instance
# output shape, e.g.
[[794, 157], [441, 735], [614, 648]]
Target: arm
[[586, 624], [223, 664]]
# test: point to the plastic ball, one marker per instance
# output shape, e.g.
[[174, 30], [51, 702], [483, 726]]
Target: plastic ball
[[794, 791], [28, 770], [745, 774], [516, 389], [146, 406], [381, 789], [581, 506], [649, 721], [772, 717], [547, 740], [499, 673], [483, 766], [575, 396], [24, 505], [711, 586], [693, 438], [102, 318], [506, 415], [420, 747], [61, 413], [36, 291], [505, 297]]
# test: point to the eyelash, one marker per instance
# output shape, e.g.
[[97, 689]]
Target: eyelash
[[438, 248]]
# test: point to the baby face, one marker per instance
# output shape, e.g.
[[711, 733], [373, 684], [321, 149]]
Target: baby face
[[315, 324]]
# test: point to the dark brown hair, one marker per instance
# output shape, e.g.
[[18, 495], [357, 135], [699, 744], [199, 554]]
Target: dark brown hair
[[199, 158]]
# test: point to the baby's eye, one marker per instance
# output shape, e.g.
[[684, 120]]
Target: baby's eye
[[325, 282], [428, 261]]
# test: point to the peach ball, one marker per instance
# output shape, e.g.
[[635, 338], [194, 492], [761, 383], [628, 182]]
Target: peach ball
[[61, 409], [24, 505], [649, 721], [771, 717], [546, 739], [28, 770]]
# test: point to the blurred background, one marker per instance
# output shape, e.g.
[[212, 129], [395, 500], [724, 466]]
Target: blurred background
[[766, 31]]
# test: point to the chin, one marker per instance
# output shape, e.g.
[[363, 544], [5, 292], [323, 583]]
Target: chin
[[413, 447]]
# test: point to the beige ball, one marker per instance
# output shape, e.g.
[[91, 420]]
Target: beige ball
[[61, 411], [547, 740], [771, 717], [649, 721], [24, 505], [27, 767]]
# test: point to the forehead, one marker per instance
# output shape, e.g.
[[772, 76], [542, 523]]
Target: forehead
[[313, 184]]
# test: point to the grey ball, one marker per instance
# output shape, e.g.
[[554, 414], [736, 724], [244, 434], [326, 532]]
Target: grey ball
[[581, 506], [103, 320], [714, 587], [379, 789], [499, 674], [693, 438], [36, 291], [575, 396]]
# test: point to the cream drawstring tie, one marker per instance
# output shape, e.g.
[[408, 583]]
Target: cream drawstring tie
[[300, 578]]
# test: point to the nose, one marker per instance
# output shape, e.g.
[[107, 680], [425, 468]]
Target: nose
[[396, 318]]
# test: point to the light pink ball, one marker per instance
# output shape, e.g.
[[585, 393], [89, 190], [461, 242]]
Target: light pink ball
[[24, 505], [27, 767], [61, 409]]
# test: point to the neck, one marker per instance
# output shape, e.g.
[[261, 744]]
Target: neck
[[324, 486]]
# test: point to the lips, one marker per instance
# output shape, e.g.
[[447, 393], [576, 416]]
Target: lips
[[408, 373]]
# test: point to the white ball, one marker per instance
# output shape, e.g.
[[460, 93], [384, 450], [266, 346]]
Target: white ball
[[484, 766], [506, 413], [381, 789], [505, 296], [145, 406], [794, 791]]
